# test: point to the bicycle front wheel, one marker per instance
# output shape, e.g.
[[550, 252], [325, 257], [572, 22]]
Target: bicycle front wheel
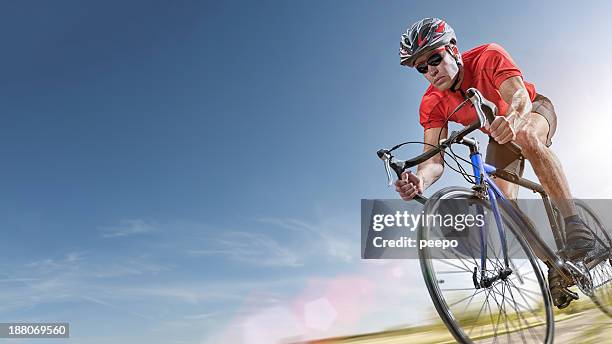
[[477, 305]]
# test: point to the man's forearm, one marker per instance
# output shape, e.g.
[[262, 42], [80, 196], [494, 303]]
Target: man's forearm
[[429, 173], [520, 105]]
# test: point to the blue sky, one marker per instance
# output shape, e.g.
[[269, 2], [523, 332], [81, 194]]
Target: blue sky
[[181, 172]]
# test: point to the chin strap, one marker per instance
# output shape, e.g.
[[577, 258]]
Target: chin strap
[[460, 68]]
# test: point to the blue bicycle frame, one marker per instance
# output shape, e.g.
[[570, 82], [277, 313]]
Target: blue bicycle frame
[[482, 172]]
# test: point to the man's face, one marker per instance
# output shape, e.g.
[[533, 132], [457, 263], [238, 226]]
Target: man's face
[[442, 75]]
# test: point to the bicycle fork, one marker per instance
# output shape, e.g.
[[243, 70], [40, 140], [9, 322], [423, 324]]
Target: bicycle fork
[[481, 185]]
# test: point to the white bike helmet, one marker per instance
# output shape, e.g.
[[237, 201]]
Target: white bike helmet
[[424, 36]]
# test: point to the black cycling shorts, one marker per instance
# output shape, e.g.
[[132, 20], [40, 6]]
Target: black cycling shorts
[[501, 157]]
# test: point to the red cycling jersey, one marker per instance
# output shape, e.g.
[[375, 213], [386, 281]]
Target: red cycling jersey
[[485, 68]]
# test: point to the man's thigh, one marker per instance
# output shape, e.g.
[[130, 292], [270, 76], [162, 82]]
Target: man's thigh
[[501, 157]]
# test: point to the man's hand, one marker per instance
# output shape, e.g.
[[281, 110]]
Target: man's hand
[[409, 186], [502, 129]]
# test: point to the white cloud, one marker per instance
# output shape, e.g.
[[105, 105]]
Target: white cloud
[[263, 292], [116, 307], [252, 248], [307, 243], [128, 227], [69, 261], [329, 237], [70, 278]]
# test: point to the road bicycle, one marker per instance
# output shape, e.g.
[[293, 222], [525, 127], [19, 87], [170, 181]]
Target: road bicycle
[[493, 290]]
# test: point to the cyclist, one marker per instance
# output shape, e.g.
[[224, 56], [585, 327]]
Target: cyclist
[[524, 116]]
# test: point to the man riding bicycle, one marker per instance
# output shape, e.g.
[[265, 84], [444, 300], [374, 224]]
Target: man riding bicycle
[[524, 116]]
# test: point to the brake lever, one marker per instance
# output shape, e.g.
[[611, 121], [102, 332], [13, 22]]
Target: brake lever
[[478, 101], [486, 111], [386, 157], [388, 170]]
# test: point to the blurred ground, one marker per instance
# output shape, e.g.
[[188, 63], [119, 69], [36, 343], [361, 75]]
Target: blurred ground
[[587, 327]]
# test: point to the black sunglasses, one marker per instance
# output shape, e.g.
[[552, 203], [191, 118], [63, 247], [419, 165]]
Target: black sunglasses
[[433, 60]]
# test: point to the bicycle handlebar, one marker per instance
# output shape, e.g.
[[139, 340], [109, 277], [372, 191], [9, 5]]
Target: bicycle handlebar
[[486, 112]]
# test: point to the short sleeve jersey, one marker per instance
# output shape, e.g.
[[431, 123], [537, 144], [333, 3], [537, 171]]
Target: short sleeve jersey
[[485, 68]]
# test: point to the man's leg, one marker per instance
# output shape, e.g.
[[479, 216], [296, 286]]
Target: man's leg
[[532, 136], [510, 190]]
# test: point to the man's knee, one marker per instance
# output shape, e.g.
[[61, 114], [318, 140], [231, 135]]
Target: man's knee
[[528, 139], [532, 136], [510, 190]]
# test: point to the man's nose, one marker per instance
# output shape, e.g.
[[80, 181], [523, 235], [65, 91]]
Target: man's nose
[[432, 70]]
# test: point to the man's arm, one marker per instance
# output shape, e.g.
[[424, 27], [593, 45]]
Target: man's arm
[[430, 171], [427, 172], [513, 92]]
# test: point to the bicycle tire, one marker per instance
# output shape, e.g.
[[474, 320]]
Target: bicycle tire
[[440, 303], [602, 272]]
